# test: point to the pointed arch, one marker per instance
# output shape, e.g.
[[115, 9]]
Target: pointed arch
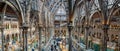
[[18, 13]]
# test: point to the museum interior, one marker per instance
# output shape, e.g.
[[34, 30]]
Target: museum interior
[[59, 25]]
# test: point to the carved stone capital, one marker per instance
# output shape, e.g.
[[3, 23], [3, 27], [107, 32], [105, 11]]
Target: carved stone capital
[[24, 26]]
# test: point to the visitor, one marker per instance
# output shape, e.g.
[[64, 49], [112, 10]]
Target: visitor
[[51, 47], [32, 49]]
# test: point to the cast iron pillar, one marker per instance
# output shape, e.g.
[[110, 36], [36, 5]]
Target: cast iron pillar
[[25, 30], [104, 37], [40, 38], [86, 35], [104, 10], [70, 40], [2, 36]]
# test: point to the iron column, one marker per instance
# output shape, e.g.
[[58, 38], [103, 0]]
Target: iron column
[[70, 40]]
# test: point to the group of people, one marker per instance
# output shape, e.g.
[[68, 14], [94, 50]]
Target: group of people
[[54, 46]]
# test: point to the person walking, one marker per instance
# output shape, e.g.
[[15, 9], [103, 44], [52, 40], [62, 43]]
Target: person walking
[[51, 47], [55, 48]]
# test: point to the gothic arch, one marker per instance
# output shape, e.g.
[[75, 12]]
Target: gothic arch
[[17, 11]]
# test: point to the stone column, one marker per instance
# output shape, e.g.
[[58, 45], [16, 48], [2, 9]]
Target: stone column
[[40, 38], [2, 36], [24, 32], [118, 41], [45, 35], [67, 34], [20, 35], [51, 31], [70, 40], [79, 31]]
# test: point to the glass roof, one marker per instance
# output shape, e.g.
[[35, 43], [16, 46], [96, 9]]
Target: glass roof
[[53, 5], [60, 14], [61, 11]]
